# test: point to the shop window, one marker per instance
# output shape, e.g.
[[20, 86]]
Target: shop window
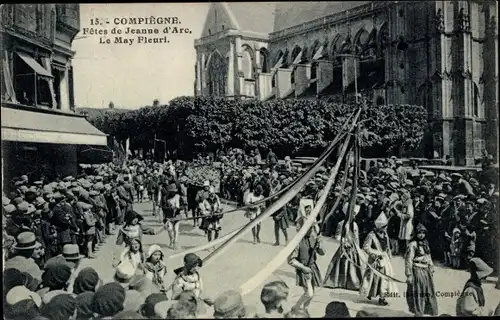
[[31, 88]]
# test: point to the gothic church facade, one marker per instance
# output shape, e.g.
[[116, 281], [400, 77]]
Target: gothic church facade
[[442, 55]]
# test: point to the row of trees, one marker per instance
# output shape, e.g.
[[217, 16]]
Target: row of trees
[[191, 125]]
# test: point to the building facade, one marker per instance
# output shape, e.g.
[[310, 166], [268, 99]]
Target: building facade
[[441, 55], [41, 133]]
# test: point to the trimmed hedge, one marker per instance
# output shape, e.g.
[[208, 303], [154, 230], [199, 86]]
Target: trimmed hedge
[[290, 127]]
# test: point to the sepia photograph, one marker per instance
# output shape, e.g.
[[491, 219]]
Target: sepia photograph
[[225, 160]]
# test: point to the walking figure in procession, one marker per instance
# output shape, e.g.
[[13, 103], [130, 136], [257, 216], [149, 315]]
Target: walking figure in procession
[[306, 203], [378, 248], [420, 294], [255, 210], [303, 259], [171, 206], [201, 196], [344, 270], [280, 219], [210, 210]]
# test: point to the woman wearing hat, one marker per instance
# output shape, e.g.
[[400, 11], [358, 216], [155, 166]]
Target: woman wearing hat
[[378, 249], [419, 269], [131, 229], [472, 301], [210, 209], [255, 210]]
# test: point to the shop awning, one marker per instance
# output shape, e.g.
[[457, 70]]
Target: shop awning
[[32, 126], [41, 71]]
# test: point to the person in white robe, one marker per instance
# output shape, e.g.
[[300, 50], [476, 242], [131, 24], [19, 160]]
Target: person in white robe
[[377, 247]]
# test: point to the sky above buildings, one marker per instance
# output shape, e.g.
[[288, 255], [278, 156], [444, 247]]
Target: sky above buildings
[[132, 76]]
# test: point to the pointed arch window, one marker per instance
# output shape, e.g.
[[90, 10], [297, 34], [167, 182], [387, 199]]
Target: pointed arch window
[[217, 75], [314, 70], [247, 64], [477, 101], [264, 60]]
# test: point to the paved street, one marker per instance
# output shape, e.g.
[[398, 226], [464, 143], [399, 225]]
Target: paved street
[[243, 260]]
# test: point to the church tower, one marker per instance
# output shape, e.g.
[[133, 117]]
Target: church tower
[[231, 53]]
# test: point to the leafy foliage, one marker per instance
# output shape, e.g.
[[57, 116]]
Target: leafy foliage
[[290, 127]]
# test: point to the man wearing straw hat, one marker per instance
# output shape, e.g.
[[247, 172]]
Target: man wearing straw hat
[[22, 260]]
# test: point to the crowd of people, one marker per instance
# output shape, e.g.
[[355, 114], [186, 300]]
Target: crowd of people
[[49, 226]]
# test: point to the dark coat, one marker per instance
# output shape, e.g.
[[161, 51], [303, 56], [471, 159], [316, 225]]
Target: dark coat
[[65, 223]]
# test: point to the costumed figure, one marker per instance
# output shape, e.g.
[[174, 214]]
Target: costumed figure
[[280, 218], [306, 204], [344, 270], [377, 247], [133, 229], [171, 205], [472, 301], [419, 269], [201, 196], [210, 209], [188, 279], [154, 267], [255, 210], [303, 259]]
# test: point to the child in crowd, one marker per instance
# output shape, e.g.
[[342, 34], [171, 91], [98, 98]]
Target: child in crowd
[[154, 267], [456, 248], [133, 254], [272, 296]]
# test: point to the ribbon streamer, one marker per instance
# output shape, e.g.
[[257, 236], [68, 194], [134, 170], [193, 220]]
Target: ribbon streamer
[[349, 223], [337, 201], [285, 198], [283, 190], [235, 232], [275, 263]]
